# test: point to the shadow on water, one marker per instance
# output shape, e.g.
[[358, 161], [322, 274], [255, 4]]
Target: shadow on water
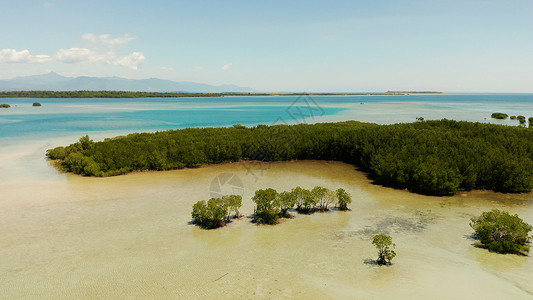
[[372, 262], [471, 237]]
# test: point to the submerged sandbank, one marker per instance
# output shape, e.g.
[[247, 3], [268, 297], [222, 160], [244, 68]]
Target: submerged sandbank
[[129, 236]]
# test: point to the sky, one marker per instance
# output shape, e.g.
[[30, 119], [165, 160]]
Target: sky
[[278, 46]]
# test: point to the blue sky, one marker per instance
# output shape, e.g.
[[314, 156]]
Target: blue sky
[[454, 46]]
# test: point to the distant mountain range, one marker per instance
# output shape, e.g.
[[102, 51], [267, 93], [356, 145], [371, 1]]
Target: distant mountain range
[[55, 82]]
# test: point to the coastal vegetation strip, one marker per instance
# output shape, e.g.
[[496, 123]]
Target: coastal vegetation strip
[[131, 94], [100, 94], [427, 157]]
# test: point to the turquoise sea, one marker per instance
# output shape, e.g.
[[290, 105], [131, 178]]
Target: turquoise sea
[[67, 117]]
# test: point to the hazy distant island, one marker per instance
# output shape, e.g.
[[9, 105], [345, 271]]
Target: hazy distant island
[[413, 92], [426, 157]]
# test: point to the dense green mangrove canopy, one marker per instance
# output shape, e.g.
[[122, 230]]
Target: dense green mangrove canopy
[[430, 157]]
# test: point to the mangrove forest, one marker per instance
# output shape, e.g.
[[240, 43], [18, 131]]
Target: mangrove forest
[[426, 157]]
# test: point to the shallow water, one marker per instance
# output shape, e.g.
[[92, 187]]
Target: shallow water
[[64, 117], [66, 236]]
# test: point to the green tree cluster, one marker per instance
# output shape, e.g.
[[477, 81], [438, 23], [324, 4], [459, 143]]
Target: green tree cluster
[[498, 115], [502, 232], [5, 106], [384, 245], [343, 199], [521, 119], [216, 212], [430, 157], [36, 104], [271, 205]]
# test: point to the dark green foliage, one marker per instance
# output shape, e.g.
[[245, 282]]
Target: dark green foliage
[[530, 121], [498, 115], [384, 245], [5, 106], [521, 119], [343, 199], [36, 104], [210, 214], [56, 153], [502, 232], [430, 157], [513, 117], [267, 206]]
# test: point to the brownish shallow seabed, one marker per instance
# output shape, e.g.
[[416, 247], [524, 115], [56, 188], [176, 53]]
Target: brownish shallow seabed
[[65, 236]]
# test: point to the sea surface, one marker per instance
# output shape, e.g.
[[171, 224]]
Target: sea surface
[[61, 117]]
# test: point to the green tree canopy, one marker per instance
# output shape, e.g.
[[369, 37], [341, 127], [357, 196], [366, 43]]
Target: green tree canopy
[[502, 232], [233, 203], [324, 197], [287, 200], [211, 214], [343, 199], [267, 207], [384, 245]]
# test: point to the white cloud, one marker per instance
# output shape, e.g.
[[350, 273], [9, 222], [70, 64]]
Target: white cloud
[[94, 54], [167, 68], [131, 61], [78, 55], [106, 39], [74, 55], [226, 66], [23, 56]]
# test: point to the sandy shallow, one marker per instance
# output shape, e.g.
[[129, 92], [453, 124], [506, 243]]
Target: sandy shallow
[[66, 236]]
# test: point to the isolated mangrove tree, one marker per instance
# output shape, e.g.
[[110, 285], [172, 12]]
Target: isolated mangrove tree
[[502, 232]]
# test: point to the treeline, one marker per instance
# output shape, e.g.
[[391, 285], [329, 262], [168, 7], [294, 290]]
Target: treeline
[[129, 94], [429, 157], [269, 205], [100, 94]]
